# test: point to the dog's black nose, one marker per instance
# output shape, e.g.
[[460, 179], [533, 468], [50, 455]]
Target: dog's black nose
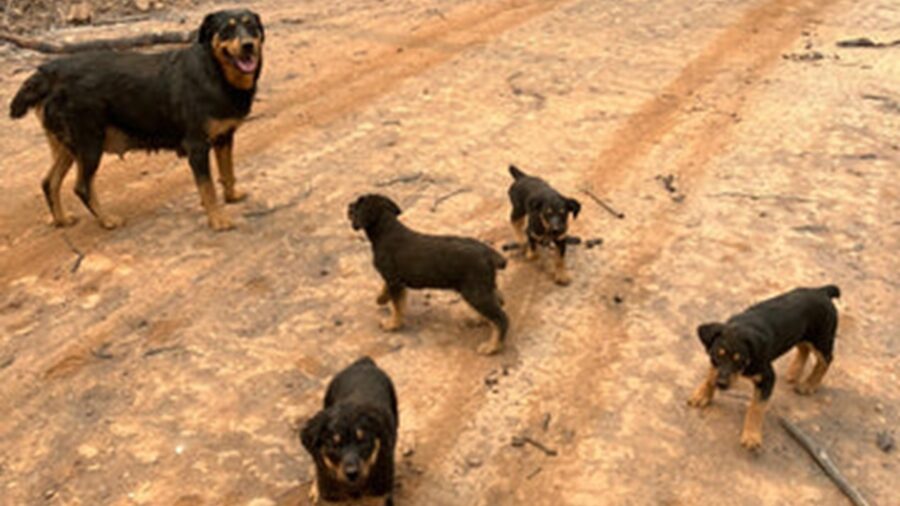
[[723, 383], [352, 473], [247, 47]]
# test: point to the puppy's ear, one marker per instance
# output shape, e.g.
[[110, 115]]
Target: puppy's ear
[[207, 29], [709, 332], [574, 207], [311, 433], [534, 205]]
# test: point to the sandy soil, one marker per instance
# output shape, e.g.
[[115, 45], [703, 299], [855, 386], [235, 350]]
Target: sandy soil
[[162, 363]]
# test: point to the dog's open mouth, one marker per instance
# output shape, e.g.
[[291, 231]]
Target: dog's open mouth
[[246, 64]]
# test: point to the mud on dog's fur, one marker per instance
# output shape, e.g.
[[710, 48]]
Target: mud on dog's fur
[[408, 259], [540, 216], [187, 100], [352, 439], [748, 343]]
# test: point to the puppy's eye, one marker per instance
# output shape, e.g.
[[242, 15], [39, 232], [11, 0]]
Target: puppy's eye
[[721, 352], [360, 435], [336, 439], [736, 357]]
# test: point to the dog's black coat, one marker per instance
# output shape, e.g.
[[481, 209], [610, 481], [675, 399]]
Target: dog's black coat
[[769, 329], [409, 259], [547, 212], [360, 400], [167, 100]]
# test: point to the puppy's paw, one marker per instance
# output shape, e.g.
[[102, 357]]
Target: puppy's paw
[[805, 388], [489, 347], [382, 299], [700, 399], [67, 221], [751, 440], [219, 221], [234, 195], [391, 324], [110, 221], [562, 278], [530, 253]]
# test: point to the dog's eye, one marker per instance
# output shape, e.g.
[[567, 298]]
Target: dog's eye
[[227, 32], [737, 357], [360, 435], [336, 439]]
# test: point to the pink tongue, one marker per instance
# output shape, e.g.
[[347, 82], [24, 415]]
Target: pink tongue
[[248, 66]]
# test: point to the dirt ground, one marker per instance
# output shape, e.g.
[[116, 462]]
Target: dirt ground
[[164, 364], [33, 15]]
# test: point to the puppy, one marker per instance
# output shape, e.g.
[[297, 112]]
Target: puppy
[[548, 215], [352, 439], [408, 259], [748, 342], [187, 100]]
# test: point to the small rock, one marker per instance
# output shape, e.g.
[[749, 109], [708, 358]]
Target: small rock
[[143, 5], [885, 441], [618, 299], [473, 461]]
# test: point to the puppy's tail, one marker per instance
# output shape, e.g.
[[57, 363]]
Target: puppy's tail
[[516, 173], [832, 291], [33, 91], [497, 260]]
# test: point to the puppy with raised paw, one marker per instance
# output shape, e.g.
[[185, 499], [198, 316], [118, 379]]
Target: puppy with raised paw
[[540, 216], [409, 259], [748, 343], [352, 439]]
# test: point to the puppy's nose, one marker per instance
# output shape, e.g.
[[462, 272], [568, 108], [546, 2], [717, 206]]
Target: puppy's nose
[[351, 471], [723, 383]]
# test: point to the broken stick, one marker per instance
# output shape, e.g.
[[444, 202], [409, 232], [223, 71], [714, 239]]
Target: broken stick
[[147, 39], [824, 460], [520, 441], [603, 204]]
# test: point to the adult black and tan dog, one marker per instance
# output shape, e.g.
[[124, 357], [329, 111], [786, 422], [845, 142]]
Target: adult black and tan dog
[[547, 213], [750, 341], [408, 259], [186, 100], [352, 439]]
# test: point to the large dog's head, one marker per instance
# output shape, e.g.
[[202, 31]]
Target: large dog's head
[[348, 441], [367, 210], [235, 38], [729, 352]]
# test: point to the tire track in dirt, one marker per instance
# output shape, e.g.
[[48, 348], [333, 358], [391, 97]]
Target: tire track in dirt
[[344, 87]]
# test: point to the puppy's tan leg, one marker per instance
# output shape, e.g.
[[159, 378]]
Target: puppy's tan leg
[[383, 297], [226, 173], [519, 229], [561, 274], [797, 363], [62, 162], [703, 394], [314, 490], [493, 344], [812, 382], [395, 320], [751, 436]]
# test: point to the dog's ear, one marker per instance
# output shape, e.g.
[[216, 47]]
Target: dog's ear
[[311, 433], [207, 29], [392, 207], [259, 25], [574, 207], [709, 332]]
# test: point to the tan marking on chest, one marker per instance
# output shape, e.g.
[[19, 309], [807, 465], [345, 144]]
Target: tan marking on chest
[[215, 128]]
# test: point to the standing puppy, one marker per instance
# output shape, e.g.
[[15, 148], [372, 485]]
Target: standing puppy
[[749, 342], [548, 215], [407, 259], [188, 100], [352, 439]]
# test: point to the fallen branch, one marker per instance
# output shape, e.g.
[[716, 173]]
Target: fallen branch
[[448, 196], [75, 250], [603, 204], [397, 180], [824, 461], [143, 40], [520, 441], [866, 42]]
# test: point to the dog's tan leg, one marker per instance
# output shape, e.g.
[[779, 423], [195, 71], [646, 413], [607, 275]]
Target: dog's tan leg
[[226, 173], [62, 162], [493, 344], [751, 436], [384, 297], [216, 216], [795, 370], [314, 491], [395, 321], [812, 382], [561, 274], [703, 394], [86, 189]]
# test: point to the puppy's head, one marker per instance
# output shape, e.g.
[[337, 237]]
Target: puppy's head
[[728, 352], [235, 38], [554, 213], [345, 440], [368, 210]]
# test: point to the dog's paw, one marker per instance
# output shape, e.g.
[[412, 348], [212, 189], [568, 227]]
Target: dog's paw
[[110, 221], [530, 253], [382, 299], [489, 347], [390, 324], [234, 195], [220, 222], [805, 388], [699, 400], [751, 440], [66, 221], [562, 278]]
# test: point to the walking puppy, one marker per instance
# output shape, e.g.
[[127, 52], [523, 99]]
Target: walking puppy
[[749, 342], [352, 439], [408, 259], [547, 214], [187, 100]]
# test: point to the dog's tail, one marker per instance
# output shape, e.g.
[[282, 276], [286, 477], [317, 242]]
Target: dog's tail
[[34, 90], [516, 173], [832, 291], [497, 260]]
